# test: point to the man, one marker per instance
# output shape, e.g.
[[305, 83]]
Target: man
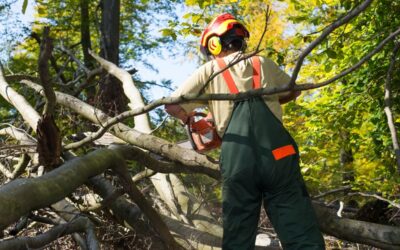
[[259, 159]]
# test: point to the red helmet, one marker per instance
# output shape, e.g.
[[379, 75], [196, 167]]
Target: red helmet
[[218, 27]]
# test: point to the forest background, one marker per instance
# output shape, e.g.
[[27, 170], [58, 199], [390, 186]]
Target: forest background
[[343, 56]]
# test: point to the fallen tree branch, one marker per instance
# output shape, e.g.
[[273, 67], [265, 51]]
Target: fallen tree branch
[[80, 224], [382, 236], [152, 143]]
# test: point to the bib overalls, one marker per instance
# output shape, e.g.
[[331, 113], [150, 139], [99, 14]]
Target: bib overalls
[[260, 163]]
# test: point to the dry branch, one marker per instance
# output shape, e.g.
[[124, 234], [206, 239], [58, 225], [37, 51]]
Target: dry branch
[[80, 224]]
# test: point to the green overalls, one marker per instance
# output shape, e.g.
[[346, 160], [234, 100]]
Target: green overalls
[[260, 162]]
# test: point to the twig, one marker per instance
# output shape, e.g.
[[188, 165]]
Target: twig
[[267, 16], [353, 13], [341, 189]]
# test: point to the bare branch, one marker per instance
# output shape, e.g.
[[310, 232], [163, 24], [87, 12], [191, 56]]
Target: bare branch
[[345, 19], [267, 16]]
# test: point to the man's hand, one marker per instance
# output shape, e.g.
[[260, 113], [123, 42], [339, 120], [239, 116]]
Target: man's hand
[[178, 112], [292, 95]]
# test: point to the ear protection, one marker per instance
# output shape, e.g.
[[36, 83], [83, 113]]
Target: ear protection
[[214, 45]]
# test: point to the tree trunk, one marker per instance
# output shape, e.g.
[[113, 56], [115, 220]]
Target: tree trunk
[[111, 94]]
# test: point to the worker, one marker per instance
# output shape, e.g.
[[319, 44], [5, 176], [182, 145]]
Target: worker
[[259, 159]]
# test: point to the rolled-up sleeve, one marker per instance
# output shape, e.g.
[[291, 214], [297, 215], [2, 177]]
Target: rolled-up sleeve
[[193, 85], [276, 76]]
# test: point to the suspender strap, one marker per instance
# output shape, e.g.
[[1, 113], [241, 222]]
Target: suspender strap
[[227, 76], [231, 83], [256, 72]]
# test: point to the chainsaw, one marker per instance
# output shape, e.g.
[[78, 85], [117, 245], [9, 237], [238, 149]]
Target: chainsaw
[[202, 133]]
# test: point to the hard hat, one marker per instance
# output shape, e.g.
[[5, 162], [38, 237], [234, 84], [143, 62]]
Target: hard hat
[[225, 25]]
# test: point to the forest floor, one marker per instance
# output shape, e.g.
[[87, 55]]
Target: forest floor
[[115, 237]]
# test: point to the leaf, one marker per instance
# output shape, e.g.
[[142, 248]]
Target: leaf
[[331, 53], [168, 32], [24, 5], [328, 67]]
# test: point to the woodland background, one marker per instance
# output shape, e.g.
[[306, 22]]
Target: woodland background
[[67, 80]]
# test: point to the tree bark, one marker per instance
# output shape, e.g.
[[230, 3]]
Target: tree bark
[[85, 33]]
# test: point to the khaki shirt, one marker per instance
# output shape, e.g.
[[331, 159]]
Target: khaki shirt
[[242, 74]]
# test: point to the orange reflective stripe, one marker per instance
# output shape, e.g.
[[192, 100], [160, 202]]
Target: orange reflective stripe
[[284, 151], [227, 76], [256, 72]]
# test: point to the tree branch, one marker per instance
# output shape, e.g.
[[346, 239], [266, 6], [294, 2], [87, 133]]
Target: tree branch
[[149, 142], [28, 113], [345, 19], [378, 48], [81, 224]]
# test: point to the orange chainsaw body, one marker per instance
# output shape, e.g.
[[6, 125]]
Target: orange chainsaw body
[[202, 132]]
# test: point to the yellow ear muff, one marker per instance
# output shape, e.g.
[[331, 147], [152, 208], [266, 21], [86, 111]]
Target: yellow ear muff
[[214, 45]]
